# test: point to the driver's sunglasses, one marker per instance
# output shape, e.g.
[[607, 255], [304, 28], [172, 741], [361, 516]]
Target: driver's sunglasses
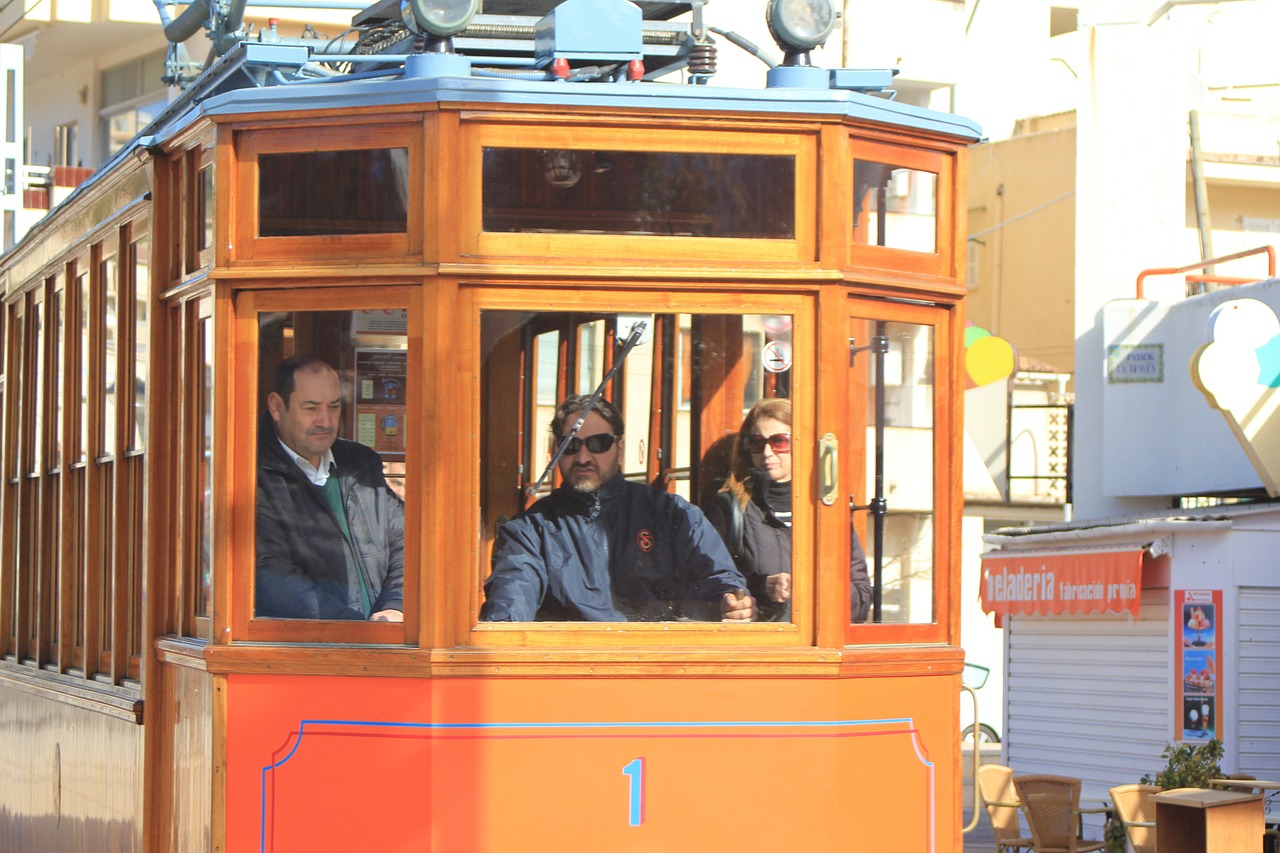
[[595, 443], [780, 442]]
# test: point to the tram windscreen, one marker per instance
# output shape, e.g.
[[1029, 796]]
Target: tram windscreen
[[899, 539], [329, 535], [666, 441], [648, 193]]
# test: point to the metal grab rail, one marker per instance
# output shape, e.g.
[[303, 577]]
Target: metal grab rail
[[977, 762], [1271, 268]]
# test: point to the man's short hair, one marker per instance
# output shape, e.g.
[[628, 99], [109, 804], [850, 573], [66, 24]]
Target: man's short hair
[[285, 384], [569, 409]]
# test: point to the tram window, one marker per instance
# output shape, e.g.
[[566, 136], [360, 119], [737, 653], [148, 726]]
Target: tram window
[[895, 207], [110, 342], [202, 591], [83, 351], [205, 199], [330, 532], [899, 543], [679, 194], [35, 435], [57, 328], [682, 393], [310, 193], [140, 261]]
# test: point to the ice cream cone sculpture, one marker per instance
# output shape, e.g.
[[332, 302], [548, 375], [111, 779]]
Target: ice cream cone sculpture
[[1239, 374]]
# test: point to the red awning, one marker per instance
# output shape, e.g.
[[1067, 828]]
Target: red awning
[[1044, 584]]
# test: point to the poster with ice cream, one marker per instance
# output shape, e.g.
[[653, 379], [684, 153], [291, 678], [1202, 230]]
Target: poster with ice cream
[[1238, 372], [1199, 661]]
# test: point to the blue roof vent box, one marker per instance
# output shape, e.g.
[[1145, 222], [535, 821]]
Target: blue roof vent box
[[593, 30]]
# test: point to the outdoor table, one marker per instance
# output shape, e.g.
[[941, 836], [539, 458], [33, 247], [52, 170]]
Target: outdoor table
[[1201, 820]]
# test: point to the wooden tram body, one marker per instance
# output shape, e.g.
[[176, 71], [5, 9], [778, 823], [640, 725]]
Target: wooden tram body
[[143, 706]]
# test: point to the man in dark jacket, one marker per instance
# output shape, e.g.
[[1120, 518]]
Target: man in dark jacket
[[329, 532], [602, 549]]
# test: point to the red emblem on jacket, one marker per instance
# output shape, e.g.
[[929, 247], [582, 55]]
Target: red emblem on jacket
[[645, 540]]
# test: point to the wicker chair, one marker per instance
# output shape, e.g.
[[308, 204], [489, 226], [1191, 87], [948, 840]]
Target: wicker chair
[[1052, 807], [1137, 813], [995, 783]]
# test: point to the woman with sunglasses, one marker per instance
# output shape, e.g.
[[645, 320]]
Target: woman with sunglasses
[[753, 514]]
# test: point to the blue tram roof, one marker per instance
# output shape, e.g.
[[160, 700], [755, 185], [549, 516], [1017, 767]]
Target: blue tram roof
[[338, 94], [397, 89]]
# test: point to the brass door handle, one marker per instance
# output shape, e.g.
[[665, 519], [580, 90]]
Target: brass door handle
[[828, 468]]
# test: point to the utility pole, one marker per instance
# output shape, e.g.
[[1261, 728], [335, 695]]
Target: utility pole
[[1203, 224]]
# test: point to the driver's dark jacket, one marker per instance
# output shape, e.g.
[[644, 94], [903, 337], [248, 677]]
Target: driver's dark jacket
[[627, 552], [304, 568]]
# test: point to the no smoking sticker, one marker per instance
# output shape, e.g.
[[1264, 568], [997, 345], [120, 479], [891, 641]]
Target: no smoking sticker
[[777, 356]]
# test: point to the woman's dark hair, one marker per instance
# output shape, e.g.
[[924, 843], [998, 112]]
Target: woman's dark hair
[[741, 479]]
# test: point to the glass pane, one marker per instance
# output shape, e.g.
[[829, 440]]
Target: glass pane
[[120, 84], [142, 326], [57, 327], [656, 452], [896, 378], [204, 208], [36, 438], [202, 597], [102, 515], [110, 341], [639, 192], [303, 194], [330, 527], [74, 529], [16, 390], [120, 129], [895, 207], [82, 290]]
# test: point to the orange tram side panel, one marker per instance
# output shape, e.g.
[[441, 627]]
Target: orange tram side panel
[[644, 764]]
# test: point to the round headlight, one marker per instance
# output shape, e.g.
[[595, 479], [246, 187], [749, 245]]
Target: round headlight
[[800, 25], [441, 18]]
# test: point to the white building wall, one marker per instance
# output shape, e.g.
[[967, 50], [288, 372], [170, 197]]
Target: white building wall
[[1130, 203], [11, 134], [66, 97]]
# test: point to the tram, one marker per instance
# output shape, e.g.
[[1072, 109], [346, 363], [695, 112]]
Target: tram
[[468, 225]]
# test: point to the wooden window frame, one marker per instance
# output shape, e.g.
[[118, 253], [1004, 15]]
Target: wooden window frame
[[588, 636], [197, 325], [16, 577], [554, 133], [235, 494], [251, 144], [55, 436], [74, 599], [937, 268], [101, 475], [947, 432], [8, 580]]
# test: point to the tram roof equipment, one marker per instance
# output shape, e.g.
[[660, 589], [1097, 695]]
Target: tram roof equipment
[[496, 60]]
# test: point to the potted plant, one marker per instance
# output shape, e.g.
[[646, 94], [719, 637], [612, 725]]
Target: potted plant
[[1190, 765]]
